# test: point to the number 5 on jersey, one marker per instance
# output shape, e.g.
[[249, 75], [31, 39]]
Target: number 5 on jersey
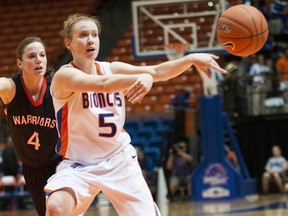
[[111, 125], [34, 140]]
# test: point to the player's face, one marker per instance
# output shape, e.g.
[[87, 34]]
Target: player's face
[[34, 60], [85, 40]]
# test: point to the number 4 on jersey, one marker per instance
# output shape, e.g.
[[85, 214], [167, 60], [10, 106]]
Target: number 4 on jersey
[[34, 140]]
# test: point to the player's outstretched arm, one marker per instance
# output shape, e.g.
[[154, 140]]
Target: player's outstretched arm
[[7, 89], [170, 69], [66, 81]]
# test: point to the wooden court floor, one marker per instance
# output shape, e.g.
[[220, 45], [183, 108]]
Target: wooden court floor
[[268, 205]]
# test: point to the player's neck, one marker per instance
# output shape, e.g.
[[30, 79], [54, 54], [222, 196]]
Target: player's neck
[[33, 85], [86, 66]]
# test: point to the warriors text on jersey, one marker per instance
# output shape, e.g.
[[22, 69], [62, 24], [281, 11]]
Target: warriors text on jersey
[[90, 124], [30, 124]]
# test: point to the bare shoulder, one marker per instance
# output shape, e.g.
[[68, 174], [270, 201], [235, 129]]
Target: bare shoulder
[[62, 76], [60, 82], [7, 89], [62, 72], [6, 81]]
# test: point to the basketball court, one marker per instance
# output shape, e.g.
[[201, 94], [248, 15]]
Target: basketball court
[[275, 205], [269, 205]]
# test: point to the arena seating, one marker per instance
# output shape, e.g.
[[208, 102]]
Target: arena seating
[[20, 19], [150, 134]]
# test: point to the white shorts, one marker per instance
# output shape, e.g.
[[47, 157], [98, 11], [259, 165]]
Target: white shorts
[[119, 178]]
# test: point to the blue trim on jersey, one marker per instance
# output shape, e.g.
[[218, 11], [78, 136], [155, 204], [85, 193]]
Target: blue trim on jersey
[[59, 121], [156, 210]]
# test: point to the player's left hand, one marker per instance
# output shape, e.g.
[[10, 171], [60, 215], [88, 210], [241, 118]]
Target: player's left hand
[[140, 88]]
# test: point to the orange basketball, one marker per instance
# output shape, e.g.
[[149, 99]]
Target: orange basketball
[[242, 30]]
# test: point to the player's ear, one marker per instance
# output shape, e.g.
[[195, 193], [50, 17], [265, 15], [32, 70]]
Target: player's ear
[[19, 64], [67, 43]]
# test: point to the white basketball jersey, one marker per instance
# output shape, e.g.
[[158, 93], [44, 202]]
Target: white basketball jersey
[[90, 124]]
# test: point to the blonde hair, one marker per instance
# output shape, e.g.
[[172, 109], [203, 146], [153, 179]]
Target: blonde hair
[[68, 24]]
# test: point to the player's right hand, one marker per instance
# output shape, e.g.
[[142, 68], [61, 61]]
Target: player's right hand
[[140, 88], [203, 61]]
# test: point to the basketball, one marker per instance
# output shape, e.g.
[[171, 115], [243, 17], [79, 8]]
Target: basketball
[[242, 30]]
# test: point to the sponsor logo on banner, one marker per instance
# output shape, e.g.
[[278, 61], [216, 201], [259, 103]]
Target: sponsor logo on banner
[[216, 177], [215, 174]]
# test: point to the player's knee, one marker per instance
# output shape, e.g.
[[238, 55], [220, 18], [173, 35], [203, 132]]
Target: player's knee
[[54, 208], [57, 205]]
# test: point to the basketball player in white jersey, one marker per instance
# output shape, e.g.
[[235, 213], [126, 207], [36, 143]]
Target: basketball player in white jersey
[[90, 110]]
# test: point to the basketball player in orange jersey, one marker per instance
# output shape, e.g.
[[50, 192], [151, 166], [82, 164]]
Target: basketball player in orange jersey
[[97, 151], [31, 118]]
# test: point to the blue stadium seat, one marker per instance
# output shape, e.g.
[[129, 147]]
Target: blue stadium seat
[[167, 123], [154, 154], [132, 125], [152, 123], [162, 130], [140, 142], [156, 141], [145, 133], [133, 134]]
